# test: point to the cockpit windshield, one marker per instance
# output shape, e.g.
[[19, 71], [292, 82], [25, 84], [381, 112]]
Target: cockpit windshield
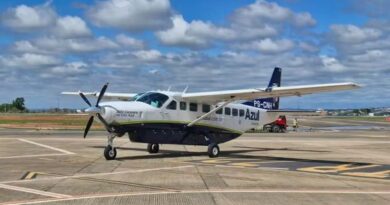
[[153, 99]]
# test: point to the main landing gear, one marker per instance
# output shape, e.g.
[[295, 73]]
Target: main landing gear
[[110, 150], [153, 148], [213, 150]]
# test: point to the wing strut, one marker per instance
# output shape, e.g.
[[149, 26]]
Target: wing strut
[[210, 112]]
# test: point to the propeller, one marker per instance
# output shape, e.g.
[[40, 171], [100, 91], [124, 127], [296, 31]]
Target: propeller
[[95, 111]]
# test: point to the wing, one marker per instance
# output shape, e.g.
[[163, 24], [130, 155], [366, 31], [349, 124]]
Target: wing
[[248, 94], [107, 95]]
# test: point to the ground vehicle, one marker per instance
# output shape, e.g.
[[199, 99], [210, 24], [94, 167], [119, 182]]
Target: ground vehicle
[[277, 126]]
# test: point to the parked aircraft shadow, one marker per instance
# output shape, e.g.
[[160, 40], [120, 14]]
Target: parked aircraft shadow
[[280, 149], [163, 153], [233, 154]]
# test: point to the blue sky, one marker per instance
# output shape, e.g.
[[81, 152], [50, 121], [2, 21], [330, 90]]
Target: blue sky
[[137, 45]]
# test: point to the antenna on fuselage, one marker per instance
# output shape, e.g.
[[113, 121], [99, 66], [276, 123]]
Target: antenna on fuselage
[[185, 89]]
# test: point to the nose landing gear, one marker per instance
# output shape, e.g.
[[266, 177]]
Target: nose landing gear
[[110, 150]]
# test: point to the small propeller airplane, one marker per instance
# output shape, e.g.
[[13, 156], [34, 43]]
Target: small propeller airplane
[[199, 118]]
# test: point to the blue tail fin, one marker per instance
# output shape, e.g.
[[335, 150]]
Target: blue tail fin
[[268, 103]]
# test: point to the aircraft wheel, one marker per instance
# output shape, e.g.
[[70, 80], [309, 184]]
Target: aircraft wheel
[[153, 148], [213, 150], [109, 152]]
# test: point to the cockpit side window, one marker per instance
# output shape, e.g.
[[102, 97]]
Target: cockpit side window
[[172, 105], [137, 96], [227, 110], [153, 99]]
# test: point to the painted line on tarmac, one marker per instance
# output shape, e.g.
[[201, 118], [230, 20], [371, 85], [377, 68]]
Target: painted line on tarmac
[[56, 139], [220, 191], [355, 169], [97, 174], [33, 155], [34, 191], [250, 167], [312, 140], [46, 146]]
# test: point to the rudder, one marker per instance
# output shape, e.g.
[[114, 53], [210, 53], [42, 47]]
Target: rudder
[[268, 103]]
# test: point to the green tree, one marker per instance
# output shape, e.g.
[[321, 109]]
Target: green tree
[[18, 103]]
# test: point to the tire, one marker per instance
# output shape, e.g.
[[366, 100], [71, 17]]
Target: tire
[[109, 153], [153, 148], [276, 129], [213, 150], [267, 128]]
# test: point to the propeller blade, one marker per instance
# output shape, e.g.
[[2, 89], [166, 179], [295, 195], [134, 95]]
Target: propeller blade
[[90, 121], [85, 99], [108, 128], [101, 94]]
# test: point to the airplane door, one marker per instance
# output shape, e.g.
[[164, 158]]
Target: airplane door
[[164, 114], [169, 111], [236, 117]]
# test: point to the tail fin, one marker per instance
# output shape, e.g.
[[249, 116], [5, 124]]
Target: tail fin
[[268, 103]]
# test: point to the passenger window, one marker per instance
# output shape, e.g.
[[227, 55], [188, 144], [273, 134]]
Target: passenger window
[[183, 106], [242, 112], [172, 105], [227, 110], [193, 107], [219, 112], [235, 112], [205, 108]]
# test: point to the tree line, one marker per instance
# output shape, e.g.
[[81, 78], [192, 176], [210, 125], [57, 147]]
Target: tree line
[[17, 105]]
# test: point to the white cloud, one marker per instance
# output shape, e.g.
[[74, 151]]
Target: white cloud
[[71, 27], [308, 47], [353, 34], [28, 61], [259, 11], [25, 47], [332, 64], [178, 35], [268, 45], [148, 55], [369, 56], [72, 70], [199, 34], [128, 42], [303, 19], [259, 20], [48, 45], [262, 12], [24, 18], [131, 15]]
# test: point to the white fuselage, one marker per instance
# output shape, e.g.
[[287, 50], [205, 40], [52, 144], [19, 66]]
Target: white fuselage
[[234, 116]]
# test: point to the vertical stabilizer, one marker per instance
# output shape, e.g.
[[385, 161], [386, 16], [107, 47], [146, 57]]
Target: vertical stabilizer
[[268, 103]]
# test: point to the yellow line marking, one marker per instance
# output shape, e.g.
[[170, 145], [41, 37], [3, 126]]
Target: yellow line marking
[[244, 164], [215, 161], [334, 169], [380, 174], [30, 175]]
